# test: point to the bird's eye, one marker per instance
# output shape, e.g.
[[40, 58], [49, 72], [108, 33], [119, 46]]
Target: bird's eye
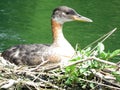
[[67, 13], [70, 12]]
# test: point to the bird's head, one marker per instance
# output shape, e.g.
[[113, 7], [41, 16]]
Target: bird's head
[[65, 14]]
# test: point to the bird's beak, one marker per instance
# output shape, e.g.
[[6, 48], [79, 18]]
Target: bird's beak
[[81, 18]]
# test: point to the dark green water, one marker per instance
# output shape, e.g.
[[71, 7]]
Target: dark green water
[[28, 21]]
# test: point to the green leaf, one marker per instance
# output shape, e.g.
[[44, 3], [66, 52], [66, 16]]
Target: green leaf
[[103, 55], [117, 75], [100, 47], [88, 49], [118, 78], [70, 69], [84, 86], [68, 81], [75, 59], [92, 85], [82, 70], [114, 53]]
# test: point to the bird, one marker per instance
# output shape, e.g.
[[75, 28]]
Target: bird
[[60, 51]]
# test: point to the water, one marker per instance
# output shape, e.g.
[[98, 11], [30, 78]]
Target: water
[[28, 21]]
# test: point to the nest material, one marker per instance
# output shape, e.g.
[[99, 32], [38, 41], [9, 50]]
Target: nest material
[[13, 77]]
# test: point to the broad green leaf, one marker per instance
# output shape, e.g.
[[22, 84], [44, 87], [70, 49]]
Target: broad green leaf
[[114, 53]]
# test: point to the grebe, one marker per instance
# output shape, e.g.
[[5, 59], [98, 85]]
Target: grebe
[[60, 51]]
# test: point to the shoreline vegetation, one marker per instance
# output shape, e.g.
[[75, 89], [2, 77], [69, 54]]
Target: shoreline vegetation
[[91, 69]]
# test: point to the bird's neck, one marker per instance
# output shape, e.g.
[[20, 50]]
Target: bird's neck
[[58, 36], [59, 42]]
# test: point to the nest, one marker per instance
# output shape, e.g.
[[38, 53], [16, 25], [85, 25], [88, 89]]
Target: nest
[[14, 77]]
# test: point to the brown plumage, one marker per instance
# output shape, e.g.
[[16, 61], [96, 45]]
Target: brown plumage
[[60, 51]]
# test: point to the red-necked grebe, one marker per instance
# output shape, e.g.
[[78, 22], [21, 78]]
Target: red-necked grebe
[[59, 51]]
